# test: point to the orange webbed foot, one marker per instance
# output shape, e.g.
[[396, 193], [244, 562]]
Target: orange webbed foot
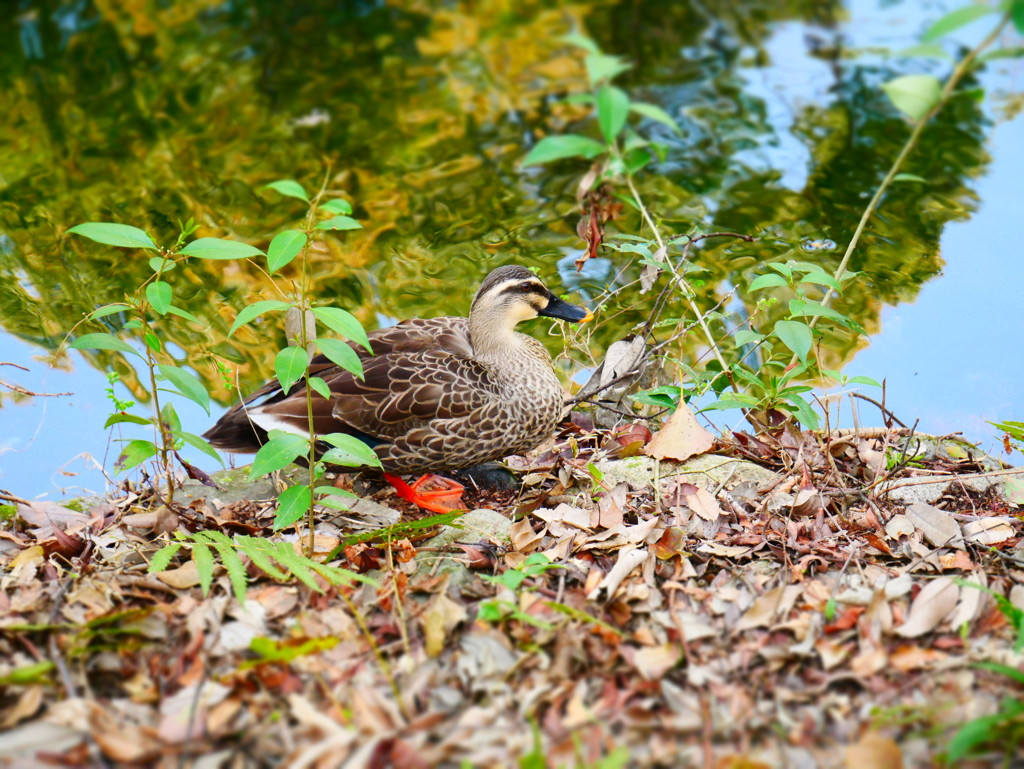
[[431, 492]]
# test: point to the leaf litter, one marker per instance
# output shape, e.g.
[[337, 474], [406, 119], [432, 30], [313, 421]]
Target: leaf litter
[[778, 600]]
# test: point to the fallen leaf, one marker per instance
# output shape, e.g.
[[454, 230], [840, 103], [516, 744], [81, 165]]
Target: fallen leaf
[[873, 751], [937, 526], [702, 502], [440, 619], [933, 604], [776, 602], [988, 531], [680, 438], [907, 658], [181, 578], [653, 662], [899, 526], [629, 559], [728, 551]]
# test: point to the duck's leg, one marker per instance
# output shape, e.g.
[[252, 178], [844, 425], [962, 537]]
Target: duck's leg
[[445, 496]]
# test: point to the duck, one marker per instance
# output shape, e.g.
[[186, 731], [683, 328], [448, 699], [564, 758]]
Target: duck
[[438, 394]]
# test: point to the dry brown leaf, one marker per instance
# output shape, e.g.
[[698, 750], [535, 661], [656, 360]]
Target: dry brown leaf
[[629, 559], [898, 526], [907, 658], [702, 502], [440, 619], [181, 578], [933, 604], [680, 438], [728, 551], [653, 662], [873, 751], [776, 602], [524, 539], [988, 531], [937, 526]]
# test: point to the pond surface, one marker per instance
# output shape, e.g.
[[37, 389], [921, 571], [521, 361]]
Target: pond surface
[[419, 114]]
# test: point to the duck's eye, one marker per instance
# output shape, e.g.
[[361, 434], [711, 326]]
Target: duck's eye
[[526, 287]]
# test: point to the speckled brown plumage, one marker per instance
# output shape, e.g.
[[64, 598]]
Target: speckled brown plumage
[[430, 398]]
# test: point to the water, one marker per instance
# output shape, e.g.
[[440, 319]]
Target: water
[[421, 116]]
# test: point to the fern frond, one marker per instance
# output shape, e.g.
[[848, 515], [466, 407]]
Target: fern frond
[[284, 554], [162, 558], [203, 557], [251, 547], [229, 557]]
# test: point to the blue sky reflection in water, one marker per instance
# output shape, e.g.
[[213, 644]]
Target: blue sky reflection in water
[[949, 355]]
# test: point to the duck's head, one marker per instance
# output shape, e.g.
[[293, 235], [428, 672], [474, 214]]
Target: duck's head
[[512, 294]]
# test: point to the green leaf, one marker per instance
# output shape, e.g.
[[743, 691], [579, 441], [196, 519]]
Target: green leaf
[[283, 248], [331, 490], [340, 223], [656, 113], [102, 341], [348, 451], [184, 314], [971, 734], [1002, 53], [802, 410], [914, 95], [341, 354], [341, 322], [601, 66], [909, 178], [199, 443], [804, 308], [580, 41], [109, 309], [864, 380], [745, 336], [1017, 14], [203, 557], [612, 111], [928, 51], [253, 311], [161, 264], [162, 558], [159, 295], [767, 281], [552, 148], [116, 419], [1006, 670], [290, 366], [292, 505], [188, 385], [289, 188], [796, 336], [170, 417], [822, 279], [218, 248], [955, 19], [122, 235], [277, 453], [320, 387], [337, 206], [152, 341], [663, 397], [134, 453]]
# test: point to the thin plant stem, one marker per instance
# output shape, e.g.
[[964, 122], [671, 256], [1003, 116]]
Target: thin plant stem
[[303, 304], [958, 72]]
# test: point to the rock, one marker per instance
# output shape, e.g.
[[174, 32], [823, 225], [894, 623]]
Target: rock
[[704, 470], [475, 526]]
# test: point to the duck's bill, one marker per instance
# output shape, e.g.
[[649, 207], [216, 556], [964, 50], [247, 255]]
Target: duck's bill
[[564, 311]]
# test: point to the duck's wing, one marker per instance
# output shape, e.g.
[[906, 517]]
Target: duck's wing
[[244, 427], [399, 392]]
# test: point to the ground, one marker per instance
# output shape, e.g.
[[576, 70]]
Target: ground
[[795, 600]]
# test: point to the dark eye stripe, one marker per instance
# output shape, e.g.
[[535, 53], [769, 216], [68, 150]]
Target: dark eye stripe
[[517, 290]]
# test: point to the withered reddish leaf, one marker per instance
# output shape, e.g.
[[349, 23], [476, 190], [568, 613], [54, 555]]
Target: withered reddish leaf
[[680, 438]]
